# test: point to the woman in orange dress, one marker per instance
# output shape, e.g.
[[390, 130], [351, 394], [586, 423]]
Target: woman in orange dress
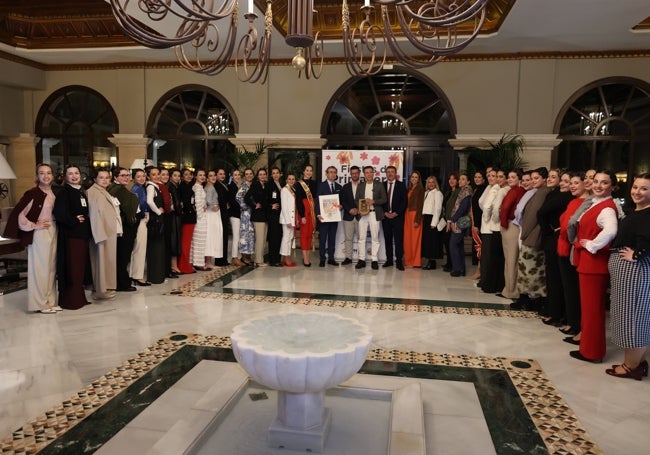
[[413, 222]]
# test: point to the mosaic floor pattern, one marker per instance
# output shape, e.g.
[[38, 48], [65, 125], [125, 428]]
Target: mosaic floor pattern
[[522, 407]]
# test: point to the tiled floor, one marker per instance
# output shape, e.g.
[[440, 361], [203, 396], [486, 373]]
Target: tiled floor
[[415, 316]]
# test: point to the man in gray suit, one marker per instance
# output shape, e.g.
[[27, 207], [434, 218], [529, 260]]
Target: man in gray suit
[[375, 195]]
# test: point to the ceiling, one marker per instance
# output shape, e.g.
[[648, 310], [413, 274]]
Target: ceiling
[[83, 32]]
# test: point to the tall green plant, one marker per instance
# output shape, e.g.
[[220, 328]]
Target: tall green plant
[[248, 158], [505, 154]]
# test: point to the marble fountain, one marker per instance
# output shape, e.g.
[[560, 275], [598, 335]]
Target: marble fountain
[[292, 390], [300, 355]]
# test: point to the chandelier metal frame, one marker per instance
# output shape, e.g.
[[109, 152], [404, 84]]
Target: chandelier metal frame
[[203, 34]]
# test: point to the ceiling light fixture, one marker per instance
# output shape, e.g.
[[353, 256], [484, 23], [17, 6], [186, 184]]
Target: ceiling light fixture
[[203, 33]]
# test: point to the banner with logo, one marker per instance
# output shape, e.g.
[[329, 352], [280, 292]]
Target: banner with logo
[[343, 160]]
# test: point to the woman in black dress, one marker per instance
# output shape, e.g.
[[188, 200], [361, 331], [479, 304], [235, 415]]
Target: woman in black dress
[[71, 213], [155, 229]]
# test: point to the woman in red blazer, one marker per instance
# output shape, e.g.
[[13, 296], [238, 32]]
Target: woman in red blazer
[[595, 224]]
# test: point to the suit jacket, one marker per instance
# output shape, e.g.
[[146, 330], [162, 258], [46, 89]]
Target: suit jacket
[[128, 203], [288, 212], [12, 231], [258, 194], [105, 220], [416, 202], [324, 189], [68, 205], [530, 231], [378, 195], [348, 201], [274, 197], [223, 196], [400, 198]]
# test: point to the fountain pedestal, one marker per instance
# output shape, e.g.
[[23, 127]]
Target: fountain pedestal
[[301, 355]]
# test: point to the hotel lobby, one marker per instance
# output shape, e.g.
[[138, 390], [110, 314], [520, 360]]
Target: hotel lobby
[[509, 385], [493, 380]]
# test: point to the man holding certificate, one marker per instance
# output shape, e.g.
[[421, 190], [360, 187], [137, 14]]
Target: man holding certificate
[[371, 196], [328, 211]]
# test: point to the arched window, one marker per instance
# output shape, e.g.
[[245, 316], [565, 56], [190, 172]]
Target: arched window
[[190, 127], [606, 125], [74, 124], [395, 109]]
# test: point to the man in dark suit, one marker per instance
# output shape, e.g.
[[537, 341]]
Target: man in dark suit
[[224, 197], [348, 198], [275, 228], [393, 222], [375, 195], [327, 230]]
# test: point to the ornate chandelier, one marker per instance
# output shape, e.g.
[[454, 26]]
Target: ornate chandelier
[[203, 33]]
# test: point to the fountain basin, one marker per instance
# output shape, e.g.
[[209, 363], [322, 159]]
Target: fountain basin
[[301, 355]]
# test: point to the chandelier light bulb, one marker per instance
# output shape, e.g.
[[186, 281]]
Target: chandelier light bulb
[[299, 62]]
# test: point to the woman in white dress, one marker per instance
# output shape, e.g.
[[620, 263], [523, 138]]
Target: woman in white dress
[[287, 220], [214, 235], [197, 251]]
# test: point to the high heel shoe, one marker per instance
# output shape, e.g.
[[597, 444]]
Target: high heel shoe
[[306, 264], [550, 321], [644, 367], [636, 373]]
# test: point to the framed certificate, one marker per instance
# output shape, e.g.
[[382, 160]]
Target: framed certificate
[[330, 208]]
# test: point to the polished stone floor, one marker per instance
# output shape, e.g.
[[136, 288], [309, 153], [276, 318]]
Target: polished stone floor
[[46, 359]]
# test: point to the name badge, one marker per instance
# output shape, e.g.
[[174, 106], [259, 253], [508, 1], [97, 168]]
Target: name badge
[[275, 195], [83, 202]]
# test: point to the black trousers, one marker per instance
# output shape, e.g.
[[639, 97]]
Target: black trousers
[[571, 289], [554, 291], [123, 256], [225, 223], [275, 237], [394, 231]]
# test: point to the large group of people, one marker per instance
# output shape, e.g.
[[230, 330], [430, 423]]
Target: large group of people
[[555, 241], [552, 241]]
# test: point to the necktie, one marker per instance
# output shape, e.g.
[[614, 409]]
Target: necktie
[[390, 196], [332, 187]]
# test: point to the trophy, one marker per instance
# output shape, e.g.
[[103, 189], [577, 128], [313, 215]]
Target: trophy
[[363, 207]]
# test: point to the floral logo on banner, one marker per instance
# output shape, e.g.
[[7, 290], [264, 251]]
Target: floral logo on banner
[[343, 157], [364, 156], [375, 160], [395, 160]]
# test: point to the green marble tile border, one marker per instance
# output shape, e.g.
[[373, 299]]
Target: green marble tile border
[[211, 285], [525, 415]]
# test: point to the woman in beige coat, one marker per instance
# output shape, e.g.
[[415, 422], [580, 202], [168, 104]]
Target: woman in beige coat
[[106, 225]]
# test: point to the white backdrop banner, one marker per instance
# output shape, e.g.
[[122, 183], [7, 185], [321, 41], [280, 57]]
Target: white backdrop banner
[[343, 160]]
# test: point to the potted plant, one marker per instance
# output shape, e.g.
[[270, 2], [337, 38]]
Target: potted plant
[[505, 154]]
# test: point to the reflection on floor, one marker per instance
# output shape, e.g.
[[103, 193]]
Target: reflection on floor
[[424, 324]]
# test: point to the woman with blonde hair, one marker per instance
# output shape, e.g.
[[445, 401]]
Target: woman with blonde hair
[[32, 222], [431, 212]]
